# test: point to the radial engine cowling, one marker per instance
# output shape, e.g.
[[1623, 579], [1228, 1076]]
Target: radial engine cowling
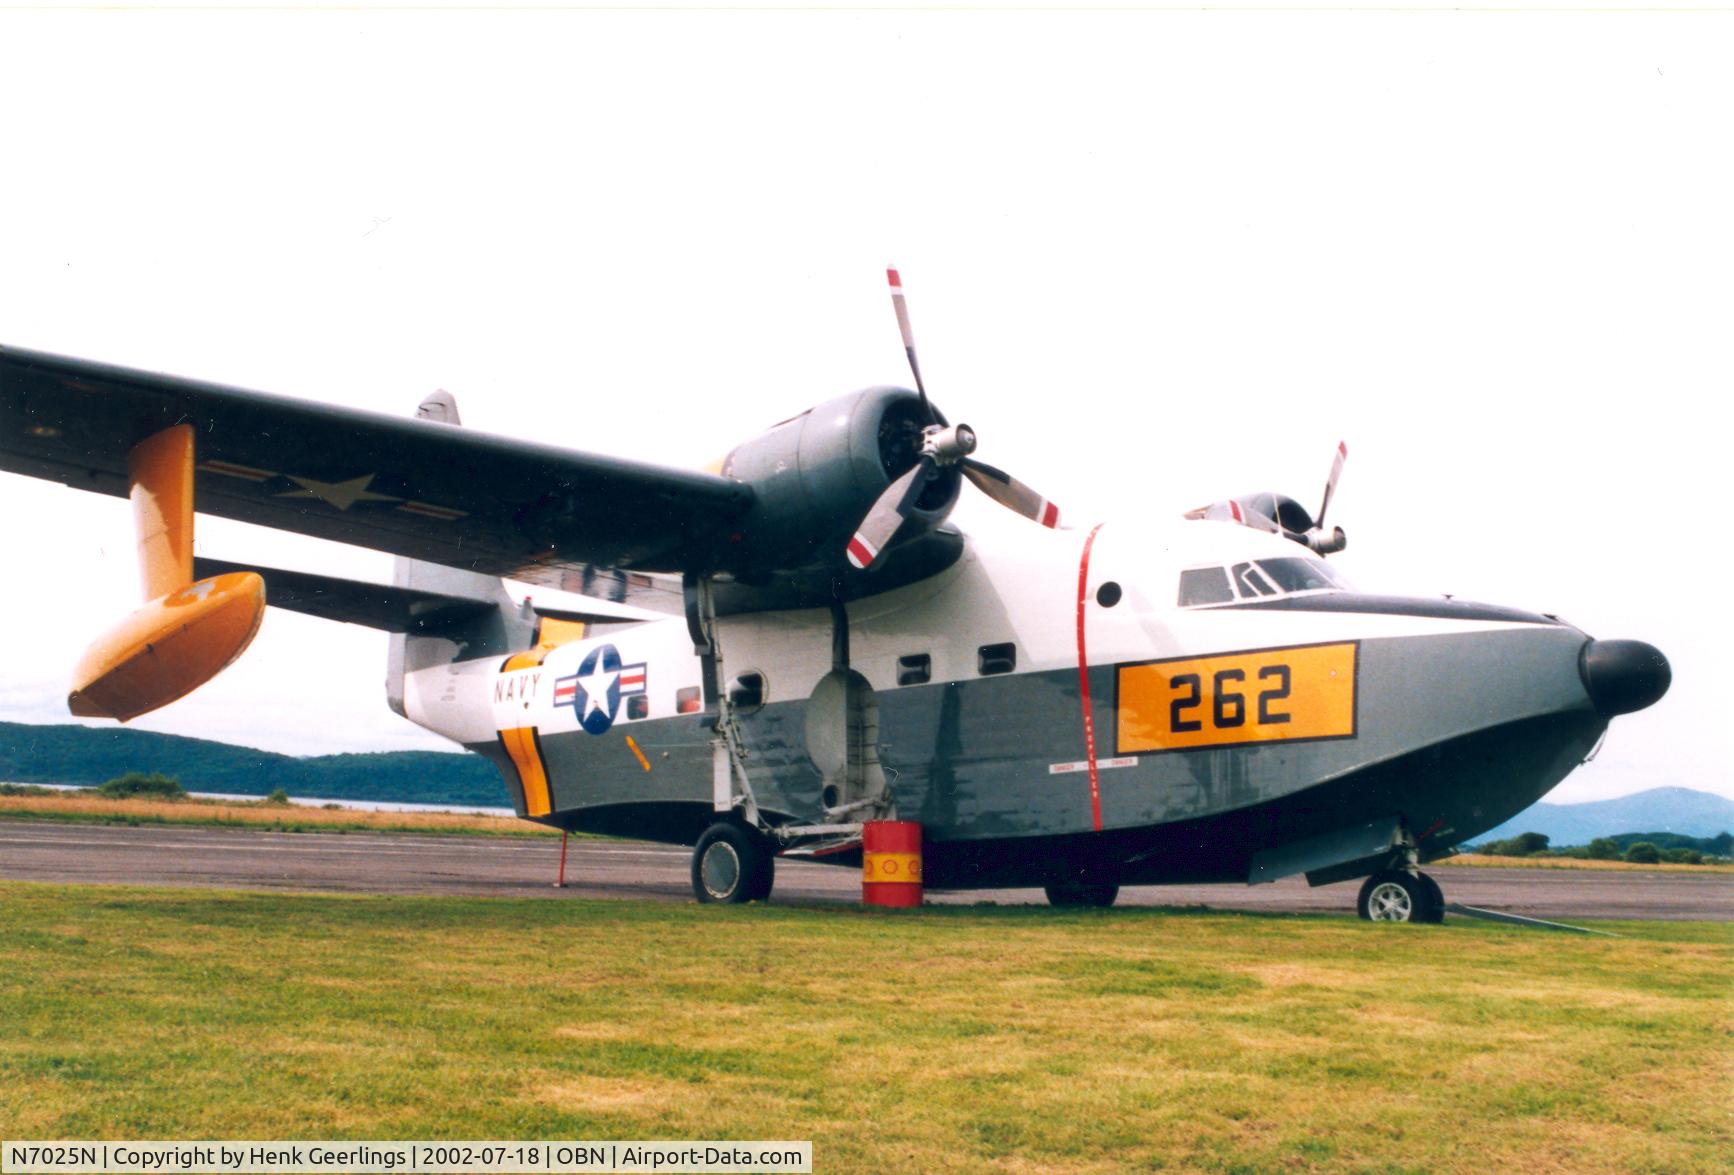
[[1278, 514], [815, 475]]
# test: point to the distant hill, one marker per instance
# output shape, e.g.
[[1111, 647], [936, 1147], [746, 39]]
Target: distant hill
[[1661, 809], [93, 755]]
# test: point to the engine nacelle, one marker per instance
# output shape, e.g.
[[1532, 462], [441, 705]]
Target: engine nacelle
[[816, 475], [1277, 514], [1326, 544]]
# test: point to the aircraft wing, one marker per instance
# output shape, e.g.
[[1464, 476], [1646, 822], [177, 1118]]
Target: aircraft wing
[[431, 491]]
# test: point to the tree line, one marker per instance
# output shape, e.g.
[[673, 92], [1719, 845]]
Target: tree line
[[1642, 848]]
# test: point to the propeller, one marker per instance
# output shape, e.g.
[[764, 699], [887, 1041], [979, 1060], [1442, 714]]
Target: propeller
[[1277, 514], [908, 333], [1318, 538], [941, 446], [1331, 483]]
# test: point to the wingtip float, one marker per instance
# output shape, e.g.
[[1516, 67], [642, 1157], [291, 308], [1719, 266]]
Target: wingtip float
[[185, 633]]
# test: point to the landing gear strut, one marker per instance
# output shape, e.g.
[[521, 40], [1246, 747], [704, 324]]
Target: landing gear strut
[[1397, 895], [732, 864]]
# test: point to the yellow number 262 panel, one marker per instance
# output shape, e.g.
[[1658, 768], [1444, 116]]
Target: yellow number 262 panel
[[1271, 695]]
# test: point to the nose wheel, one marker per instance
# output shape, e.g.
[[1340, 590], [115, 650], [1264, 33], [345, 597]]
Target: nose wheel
[[1397, 895]]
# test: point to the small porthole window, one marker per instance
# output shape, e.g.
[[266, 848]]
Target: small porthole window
[[1108, 594], [991, 659], [915, 670], [637, 706], [747, 692], [687, 700]]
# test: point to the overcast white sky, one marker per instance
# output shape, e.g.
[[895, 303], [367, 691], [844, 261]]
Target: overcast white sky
[[1155, 258]]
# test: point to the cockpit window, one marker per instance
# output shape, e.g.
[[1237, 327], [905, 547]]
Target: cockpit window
[[1201, 587], [1204, 585], [1252, 582], [1300, 575]]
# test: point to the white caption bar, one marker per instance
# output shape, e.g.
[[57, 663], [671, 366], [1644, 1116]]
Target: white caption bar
[[396, 1158]]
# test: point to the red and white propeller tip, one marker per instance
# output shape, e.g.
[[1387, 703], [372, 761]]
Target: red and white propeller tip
[[861, 552]]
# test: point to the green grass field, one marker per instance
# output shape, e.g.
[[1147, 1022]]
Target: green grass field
[[946, 1039]]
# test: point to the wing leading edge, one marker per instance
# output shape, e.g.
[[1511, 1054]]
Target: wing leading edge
[[410, 487]]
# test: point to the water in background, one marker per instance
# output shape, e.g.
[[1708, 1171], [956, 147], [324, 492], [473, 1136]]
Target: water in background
[[304, 802]]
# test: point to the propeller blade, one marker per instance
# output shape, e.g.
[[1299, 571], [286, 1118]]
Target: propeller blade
[[902, 308], [887, 515], [1331, 485], [1011, 493]]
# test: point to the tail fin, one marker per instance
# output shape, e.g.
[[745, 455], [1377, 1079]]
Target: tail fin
[[502, 629]]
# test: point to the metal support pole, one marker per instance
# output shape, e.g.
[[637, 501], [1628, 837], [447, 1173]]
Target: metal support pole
[[839, 636], [561, 883]]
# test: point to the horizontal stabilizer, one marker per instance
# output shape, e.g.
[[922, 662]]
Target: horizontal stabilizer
[[353, 601], [376, 605]]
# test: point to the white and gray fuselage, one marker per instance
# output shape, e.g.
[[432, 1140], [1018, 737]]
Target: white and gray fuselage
[[1128, 703]]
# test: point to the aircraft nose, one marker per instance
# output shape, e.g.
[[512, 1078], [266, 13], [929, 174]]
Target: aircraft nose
[[1623, 676]]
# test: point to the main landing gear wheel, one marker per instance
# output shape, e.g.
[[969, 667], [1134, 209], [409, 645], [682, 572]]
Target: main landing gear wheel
[[731, 864], [1073, 895], [1396, 896]]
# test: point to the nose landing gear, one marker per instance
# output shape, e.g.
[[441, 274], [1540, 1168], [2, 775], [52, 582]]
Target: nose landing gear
[[1399, 895]]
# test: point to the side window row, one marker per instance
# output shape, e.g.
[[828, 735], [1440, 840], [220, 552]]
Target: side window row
[[917, 668], [747, 692]]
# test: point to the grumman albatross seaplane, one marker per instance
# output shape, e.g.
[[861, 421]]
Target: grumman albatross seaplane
[[796, 642]]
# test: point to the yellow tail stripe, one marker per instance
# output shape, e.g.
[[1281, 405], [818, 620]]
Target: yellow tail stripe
[[520, 744]]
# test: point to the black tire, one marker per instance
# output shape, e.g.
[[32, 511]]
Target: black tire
[[1435, 911], [1397, 896], [765, 878], [731, 865], [1081, 895]]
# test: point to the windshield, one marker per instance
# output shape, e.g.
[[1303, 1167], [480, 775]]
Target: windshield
[[1201, 587], [1301, 575]]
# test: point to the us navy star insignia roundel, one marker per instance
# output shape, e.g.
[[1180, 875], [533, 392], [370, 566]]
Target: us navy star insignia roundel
[[594, 692]]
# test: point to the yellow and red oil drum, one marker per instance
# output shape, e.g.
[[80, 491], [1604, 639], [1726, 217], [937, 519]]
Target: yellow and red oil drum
[[891, 863]]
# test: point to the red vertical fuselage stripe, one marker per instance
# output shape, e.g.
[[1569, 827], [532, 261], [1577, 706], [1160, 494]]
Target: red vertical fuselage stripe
[[1084, 682]]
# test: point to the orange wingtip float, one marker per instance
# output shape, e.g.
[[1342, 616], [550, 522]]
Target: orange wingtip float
[[168, 648], [186, 633]]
